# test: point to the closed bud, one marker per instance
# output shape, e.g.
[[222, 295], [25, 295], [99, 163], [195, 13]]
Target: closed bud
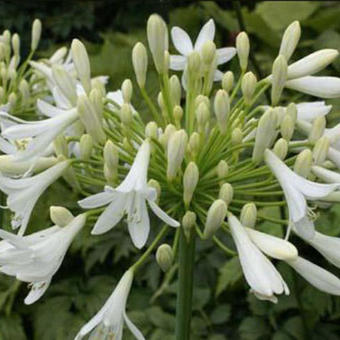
[[208, 52], [12, 99], [222, 170], [155, 184], [127, 90], [60, 216], [303, 163], [281, 148], [226, 193], [178, 114], [126, 114], [290, 40], [164, 138], [248, 215], [164, 257], [89, 118], [202, 114], [222, 109], [287, 127], [318, 129], [98, 85], [194, 143], [279, 77], [175, 90], [7, 35], [236, 136], [243, 47], [166, 62], [190, 180], [188, 223], [266, 130], [194, 64], [176, 150], [157, 33], [200, 98], [60, 146], [140, 63], [248, 86], [228, 81], [82, 63], [320, 150], [151, 130], [65, 83], [292, 112], [86, 146], [160, 101], [24, 89], [36, 34], [96, 98], [215, 217], [16, 44], [111, 161]]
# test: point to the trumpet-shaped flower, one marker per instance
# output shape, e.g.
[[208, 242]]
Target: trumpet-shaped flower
[[316, 276], [37, 257], [263, 278], [129, 197], [309, 111], [108, 323], [22, 194], [297, 190], [185, 47]]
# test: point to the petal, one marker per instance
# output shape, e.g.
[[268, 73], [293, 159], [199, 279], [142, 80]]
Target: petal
[[37, 291], [334, 156], [207, 33], [225, 54], [47, 109], [162, 215], [326, 175], [181, 40], [305, 228], [323, 87], [313, 110], [177, 62], [218, 75], [134, 330], [316, 276], [97, 200]]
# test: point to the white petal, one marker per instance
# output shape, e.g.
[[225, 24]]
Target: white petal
[[225, 54], [218, 75], [181, 40], [313, 110], [97, 200], [316, 276], [37, 291], [47, 109], [326, 175], [334, 156], [162, 215], [177, 62], [305, 228], [207, 33], [134, 330], [323, 87]]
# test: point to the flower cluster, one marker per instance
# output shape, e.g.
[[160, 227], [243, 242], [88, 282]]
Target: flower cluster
[[207, 163]]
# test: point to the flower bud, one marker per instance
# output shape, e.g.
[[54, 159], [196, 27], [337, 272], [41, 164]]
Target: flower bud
[[287, 127], [24, 90], [318, 129], [202, 99], [12, 99], [164, 138], [320, 150], [60, 216], [236, 136], [281, 148], [194, 64], [164, 257], [222, 108], [194, 143], [151, 130], [65, 83], [290, 39], [89, 118], [36, 34], [202, 114], [126, 114], [127, 90], [208, 52], [190, 180], [248, 215], [16, 44], [157, 33], [265, 132], [82, 63], [292, 112], [140, 63], [303, 163], [188, 223], [176, 151], [222, 170], [166, 62], [226, 193], [155, 184], [279, 77], [60, 146], [178, 114], [7, 34], [111, 161], [243, 48], [175, 90], [248, 86], [228, 81], [215, 217], [96, 98], [86, 146]]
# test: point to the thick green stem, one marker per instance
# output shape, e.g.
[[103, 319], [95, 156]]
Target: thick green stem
[[186, 259]]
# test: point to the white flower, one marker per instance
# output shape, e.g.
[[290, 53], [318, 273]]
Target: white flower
[[296, 190], [316, 276], [117, 98], [38, 134], [37, 257], [129, 197], [22, 194], [309, 111], [184, 46], [108, 323], [265, 281]]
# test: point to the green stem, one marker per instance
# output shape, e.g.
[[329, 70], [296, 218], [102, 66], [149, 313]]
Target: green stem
[[186, 258]]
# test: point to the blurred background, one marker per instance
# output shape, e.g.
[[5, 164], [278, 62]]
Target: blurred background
[[223, 308]]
